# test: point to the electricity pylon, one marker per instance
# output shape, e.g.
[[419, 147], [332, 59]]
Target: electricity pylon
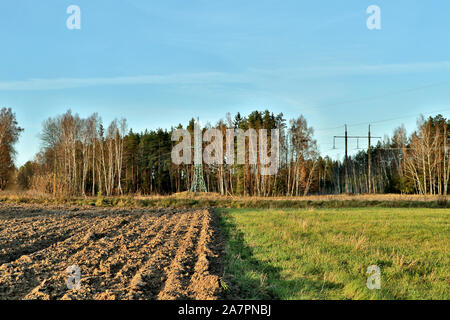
[[198, 183]]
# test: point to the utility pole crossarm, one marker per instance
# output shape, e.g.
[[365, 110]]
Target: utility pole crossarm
[[357, 137]]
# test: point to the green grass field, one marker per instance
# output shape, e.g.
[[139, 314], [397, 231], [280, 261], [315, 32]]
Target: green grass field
[[324, 253]]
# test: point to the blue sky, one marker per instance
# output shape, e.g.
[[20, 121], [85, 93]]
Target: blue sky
[[159, 63]]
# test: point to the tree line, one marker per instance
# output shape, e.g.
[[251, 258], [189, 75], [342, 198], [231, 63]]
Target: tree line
[[83, 157]]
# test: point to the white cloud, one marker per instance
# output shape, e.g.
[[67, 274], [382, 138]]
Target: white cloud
[[354, 70], [171, 79], [250, 76]]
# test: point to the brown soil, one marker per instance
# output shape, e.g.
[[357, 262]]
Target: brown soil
[[122, 253]]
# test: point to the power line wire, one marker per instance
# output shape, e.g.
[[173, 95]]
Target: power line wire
[[384, 95], [397, 118]]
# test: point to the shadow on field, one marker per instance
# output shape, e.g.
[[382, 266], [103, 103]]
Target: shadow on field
[[250, 278]]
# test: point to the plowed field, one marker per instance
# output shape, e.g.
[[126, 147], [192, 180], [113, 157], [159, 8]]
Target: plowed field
[[121, 254]]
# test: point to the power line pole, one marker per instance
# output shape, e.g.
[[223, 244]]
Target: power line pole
[[346, 160], [346, 137], [369, 165]]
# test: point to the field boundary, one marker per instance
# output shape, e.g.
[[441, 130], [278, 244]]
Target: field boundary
[[193, 201]]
